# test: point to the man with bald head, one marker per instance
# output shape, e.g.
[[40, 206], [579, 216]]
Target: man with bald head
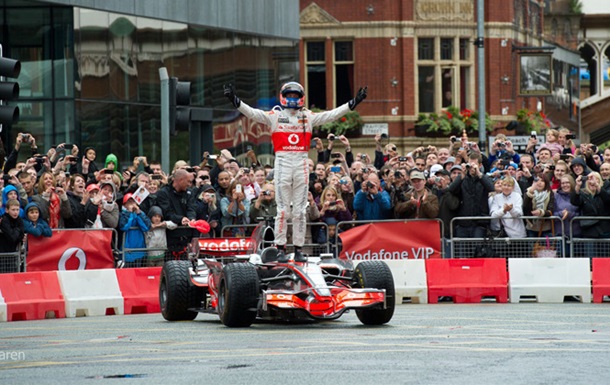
[[177, 202]]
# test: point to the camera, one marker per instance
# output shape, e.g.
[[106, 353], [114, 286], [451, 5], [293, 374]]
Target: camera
[[266, 192], [213, 157], [564, 157], [534, 135], [248, 148], [332, 203], [246, 170], [585, 177], [437, 179], [189, 169], [6, 178], [501, 145], [453, 139], [25, 138], [39, 159], [331, 137], [238, 188], [551, 167], [397, 174], [570, 136], [335, 155], [109, 172], [403, 159], [313, 143], [369, 185], [365, 169], [467, 166], [158, 177], [384, 135]]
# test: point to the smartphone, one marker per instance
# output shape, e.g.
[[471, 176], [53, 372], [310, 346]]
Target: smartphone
[[564, 156], [155, 177], [335, 169], [109, 172], [570, 136], [534, 134], [238, 188], [335, 155], [213, 157], [248, 148], [313, 143], [68, 145], [403, 159]]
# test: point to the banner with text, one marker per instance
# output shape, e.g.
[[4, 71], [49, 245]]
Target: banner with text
[[392, 240], [71, 250]]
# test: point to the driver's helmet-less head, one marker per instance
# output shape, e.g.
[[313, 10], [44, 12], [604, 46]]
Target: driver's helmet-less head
[[292, 87]]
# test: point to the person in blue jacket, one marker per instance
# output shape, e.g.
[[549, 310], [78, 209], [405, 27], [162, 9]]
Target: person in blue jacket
[[134, 223], [33, 224], [10, 192]]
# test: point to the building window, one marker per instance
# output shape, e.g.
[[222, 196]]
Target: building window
[[444, 74], [316, 74], [344, 72]]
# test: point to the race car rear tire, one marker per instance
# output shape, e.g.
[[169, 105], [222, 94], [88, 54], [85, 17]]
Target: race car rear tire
[[238, 295], [177, 294], [375, 275]]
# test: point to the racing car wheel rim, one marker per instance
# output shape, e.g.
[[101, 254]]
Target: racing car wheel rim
[[221, 298], [163, 299]]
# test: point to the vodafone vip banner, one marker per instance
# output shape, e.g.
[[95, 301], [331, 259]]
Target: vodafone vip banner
[[392, 240], [70, 250]]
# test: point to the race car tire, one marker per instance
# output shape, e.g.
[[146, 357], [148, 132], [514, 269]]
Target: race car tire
[[375, 275], [238, 295], [177, 294]]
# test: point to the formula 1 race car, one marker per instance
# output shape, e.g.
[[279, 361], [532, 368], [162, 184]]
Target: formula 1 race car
[[240, 288]]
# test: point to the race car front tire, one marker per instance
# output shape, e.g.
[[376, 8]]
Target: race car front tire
[[375, 275], [177, 294], [238, 295]]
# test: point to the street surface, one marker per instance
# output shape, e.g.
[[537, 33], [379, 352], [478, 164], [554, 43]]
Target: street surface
[[525, 343]]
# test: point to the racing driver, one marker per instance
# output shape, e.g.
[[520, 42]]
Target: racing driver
[[291, 126]]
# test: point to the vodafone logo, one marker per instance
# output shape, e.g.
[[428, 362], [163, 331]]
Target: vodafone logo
[[73, 252], [293, 139], [225, 245]]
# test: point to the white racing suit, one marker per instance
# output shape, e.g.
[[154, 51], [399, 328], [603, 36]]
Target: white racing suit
[[291, 136]]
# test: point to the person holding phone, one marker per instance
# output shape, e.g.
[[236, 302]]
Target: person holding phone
[[291, 126], [52, 201]]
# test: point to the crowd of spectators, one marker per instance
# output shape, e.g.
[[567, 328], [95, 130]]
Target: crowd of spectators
[[66, 188]]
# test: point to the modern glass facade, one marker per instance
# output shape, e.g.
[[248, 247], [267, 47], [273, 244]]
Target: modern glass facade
[[91, 77]]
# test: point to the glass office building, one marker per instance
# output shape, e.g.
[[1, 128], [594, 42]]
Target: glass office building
[[91, 76]]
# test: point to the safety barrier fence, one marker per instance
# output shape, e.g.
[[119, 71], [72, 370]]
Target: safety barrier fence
[[503, 246], [566, 242]]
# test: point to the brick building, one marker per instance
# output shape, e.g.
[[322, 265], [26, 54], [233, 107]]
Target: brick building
[[418, 56]]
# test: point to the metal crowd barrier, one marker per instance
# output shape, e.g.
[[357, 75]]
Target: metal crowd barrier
[[13, 262], [505, 247], [588, 247]]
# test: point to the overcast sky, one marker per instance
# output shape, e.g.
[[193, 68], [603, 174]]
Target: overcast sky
[[596, 6]]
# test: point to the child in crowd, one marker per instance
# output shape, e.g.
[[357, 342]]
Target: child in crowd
[[11, 227], [134, 224], [155, 237], [10, 192], [33, 224]]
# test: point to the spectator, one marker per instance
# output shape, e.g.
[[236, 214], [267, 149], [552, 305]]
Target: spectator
[[371, 202], [88, 167], [331, 205], [178, 205], [448, 204], [224, 182], [552, 143], [52, 201], [264, 205], [78, 197], [33, 224], [593, 201], [346, 191], [565, 210], [11, 228], [134, 224], [107, 208], [10, 193], [508, 207], [472, 187], [579, 168], [539, 201], [565, 140], [332, 229], [419, 202], [235, 210], [561, 169], [22, 138], [111, 163], [312, 215], [207, 208], [156, 237]]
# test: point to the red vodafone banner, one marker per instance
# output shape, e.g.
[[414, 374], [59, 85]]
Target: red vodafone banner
[[392, 240], [224, 246], [71, 250]]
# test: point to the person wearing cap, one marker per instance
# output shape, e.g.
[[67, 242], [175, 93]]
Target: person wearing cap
[[133, 223], [104, 206], [448, 204], [156, 237], [455, 171], [448, 163], [419, 202], [208, 209], [33, 224], [472, 187]]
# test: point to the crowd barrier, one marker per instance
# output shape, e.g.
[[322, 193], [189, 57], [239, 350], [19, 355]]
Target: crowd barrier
[[563, 244], [78, 293]]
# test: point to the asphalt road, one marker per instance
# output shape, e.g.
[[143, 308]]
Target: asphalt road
[[524, 343]]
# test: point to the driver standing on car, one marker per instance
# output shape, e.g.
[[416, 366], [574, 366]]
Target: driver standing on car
[[291, 126]]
